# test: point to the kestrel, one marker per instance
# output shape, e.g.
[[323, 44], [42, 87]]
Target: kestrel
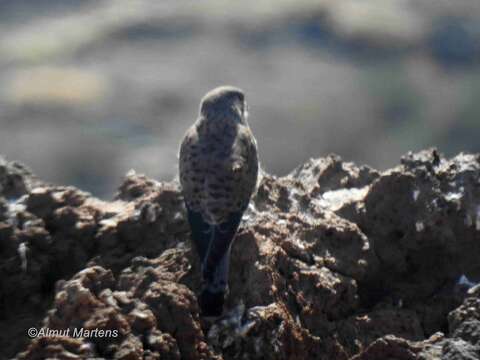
[[218, 174]]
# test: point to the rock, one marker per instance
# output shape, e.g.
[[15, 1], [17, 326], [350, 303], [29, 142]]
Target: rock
[[15, 179], [332, 261], [57, 348], [389, 347], [468, 311], [361, 330], [331, 173]]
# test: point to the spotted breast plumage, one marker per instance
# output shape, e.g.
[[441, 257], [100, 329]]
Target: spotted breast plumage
[[218, 172]]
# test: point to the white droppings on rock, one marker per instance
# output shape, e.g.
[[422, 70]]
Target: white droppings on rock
[[297, 242], [136, 214], [474, 290], [108, 223], [335, 199], [29, 224], [177, 216], [15, 207], [88, 346], [22, 252], [416, 194], [131, 172], [419, 226], [454, 196], [38, 190]]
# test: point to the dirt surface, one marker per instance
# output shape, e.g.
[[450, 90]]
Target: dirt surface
[[333, 261]]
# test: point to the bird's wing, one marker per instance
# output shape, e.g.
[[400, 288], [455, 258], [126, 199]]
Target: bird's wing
[[189, 172], [245, 168], [192, 179]]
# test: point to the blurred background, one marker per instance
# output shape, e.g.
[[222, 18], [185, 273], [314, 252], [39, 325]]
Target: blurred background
[[93, 88]]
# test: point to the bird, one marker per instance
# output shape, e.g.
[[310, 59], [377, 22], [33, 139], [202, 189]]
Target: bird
[[218, 168]]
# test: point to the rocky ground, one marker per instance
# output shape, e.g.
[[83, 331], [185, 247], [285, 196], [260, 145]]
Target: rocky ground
[[103, 86], [333, 261]]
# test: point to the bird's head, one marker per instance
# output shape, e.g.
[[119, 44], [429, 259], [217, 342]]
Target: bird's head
[[224, 103]]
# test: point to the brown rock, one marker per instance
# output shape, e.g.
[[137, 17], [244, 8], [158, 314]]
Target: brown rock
[[332, 261]]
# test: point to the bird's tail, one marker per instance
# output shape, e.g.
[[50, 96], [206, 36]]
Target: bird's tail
[[216, 261], [213, 243]]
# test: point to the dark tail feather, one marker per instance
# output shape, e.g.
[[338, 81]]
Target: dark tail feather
[[211, 303], [201, 233], [213, 244], [222, 238]]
